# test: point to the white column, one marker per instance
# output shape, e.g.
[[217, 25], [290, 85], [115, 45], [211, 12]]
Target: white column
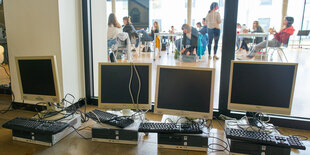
[[189, 12], [113, 6]]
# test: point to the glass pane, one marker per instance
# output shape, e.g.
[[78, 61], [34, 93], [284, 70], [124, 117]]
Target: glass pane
[[248, 49], [168, 13], [121, 10], [201, 8], [301, 56], [109, 8]]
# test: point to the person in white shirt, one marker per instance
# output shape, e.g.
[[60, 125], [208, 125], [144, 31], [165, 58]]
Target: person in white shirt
[[114, 28], [213, 21]]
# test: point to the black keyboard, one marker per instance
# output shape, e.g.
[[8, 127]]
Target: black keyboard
[[170, 128], [108, 118], [35, 125], [265, 139]]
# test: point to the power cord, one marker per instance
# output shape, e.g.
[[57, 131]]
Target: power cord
[[139, 111], [224, 132], [77, 131], [13, 96]]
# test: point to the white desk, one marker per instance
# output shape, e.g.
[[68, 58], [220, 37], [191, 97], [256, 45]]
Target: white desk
[[161, 34], [253, 35]]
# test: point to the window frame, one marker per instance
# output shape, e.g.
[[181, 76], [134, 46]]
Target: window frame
[[228, 39]]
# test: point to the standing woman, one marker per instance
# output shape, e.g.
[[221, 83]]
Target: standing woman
[[213, 21], [114, 28]]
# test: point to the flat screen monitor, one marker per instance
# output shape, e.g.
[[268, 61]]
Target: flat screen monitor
[[115, 80], [185, 91], [265, 87], [38, 80]]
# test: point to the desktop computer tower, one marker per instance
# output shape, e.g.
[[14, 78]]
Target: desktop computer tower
[[194, 142], [246, 147], [237, 146], [47, 139], [111, 134]]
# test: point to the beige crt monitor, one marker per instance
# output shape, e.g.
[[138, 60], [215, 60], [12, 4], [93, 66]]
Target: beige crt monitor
[[185, 91], [38, 78], [114, 79], [265, 87]]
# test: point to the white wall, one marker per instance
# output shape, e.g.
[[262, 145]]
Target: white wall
[[35, 29], [32, 30], [99, 36]]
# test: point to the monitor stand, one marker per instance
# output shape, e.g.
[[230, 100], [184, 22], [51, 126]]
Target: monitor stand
[[51, 108]]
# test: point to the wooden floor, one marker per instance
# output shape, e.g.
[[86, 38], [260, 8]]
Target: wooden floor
[[75, 145]]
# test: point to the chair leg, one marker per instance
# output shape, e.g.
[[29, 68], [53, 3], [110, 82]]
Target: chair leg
[[283, 54], [279, 55]]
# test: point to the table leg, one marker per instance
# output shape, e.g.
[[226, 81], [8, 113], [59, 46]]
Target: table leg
[[159, 48], [154, 44], [266, 51]]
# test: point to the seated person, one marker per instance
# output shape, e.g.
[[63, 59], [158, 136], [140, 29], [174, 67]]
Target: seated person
[[149, 36], [114, 28], [279, 37], [130, 29], [256, 29], [172, 30], [238, 32], [190, 40]]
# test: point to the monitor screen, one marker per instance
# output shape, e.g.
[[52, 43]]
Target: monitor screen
[[36, 76], [262, 84], [115, 80], [185, 89]]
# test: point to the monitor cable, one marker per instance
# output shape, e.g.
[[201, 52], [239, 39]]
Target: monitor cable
[[10, 108]]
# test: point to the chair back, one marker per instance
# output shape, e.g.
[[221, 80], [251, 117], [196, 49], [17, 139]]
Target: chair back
[[286, 45]]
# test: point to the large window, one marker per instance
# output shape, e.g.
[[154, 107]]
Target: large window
[[202, 8], [168, 13], [122, 9], [248, 11], [295, 9]]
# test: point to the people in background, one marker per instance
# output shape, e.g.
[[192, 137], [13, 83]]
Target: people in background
[[279, 37], [190, 40], [238, 41], [238, 28], [199, 26], [256, 29], [149, 36], [128, 27], [204, 32], [172, 30], [114, 28], [213, 21]]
